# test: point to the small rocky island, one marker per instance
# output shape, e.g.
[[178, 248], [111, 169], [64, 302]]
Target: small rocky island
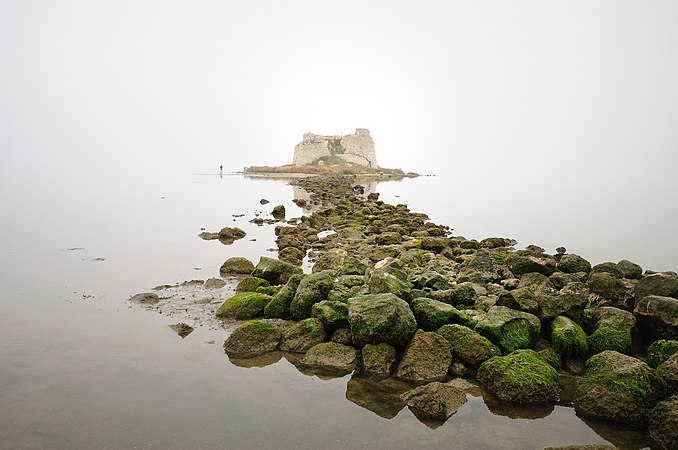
[[335, 154], [400, 299]]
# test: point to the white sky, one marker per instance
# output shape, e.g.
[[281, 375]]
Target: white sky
[[543, 88]]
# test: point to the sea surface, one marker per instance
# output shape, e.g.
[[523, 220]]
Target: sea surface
[[80, 367]]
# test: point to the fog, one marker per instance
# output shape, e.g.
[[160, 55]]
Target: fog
[[577, 92]]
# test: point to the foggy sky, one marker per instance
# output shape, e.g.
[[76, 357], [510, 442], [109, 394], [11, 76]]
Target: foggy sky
[[479, 89]]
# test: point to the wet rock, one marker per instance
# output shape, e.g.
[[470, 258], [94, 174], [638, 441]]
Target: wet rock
[[607, 267], [573, 263], [427, 358], [521, 299], [275, 271], [292, 255], [467, 345], [352, 266], [332, 314], [660, 351], [300, 336], [376, 318], [618, 388], [214, 283], [312, 289], [278, 212], [182, 329], [630, 269], [435, 400], [250, 284], [525, 261], [569, 305], [663, 424], [497, 242], [333, 259], [331, 355], [251, 339], [613, 331], [208, 236], [384, 282], [568, 338], [263, 201], [611, 288], [432, 314], [246, 305], [381, 397], [279, 306], [668, 372], [520, 377], [145, 298], [657, 316], [509, 329], [231, 233], [379, 360], [237, 265]]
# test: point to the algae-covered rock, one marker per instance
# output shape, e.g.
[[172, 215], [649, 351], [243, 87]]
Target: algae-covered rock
[[228, 233], [660, 351], [246, 305], [252, 338], [520, 377], [618, 388], [435, 400], [568, 338], [275, 271], [658, 316], [525, 261], [312, 289], [509, 329], [250, 284], [427, 358], [630, 269], [469, 346], [352, 266], [464, 294], [376, 318], [332, 356], [379, 360], [613, 331], [569, 305], [237, 265], [606, 267], [668, 372], [664, 284], [279, 306], [342, 336], [611, 288], [278, 212], [332, 314], [432, 314], [300, 336], [572, 263], [381, 282], [521, 299], [663, 424]]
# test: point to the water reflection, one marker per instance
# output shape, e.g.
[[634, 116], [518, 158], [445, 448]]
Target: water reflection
[[382, 397]]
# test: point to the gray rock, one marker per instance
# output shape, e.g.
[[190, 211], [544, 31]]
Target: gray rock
[[145, 298], [214, 283], [662, 284], [379, 359], [376, 318], [526, 261], [663, 424], [658, 316], [300, 336], [237, 265], [573, 263], [427, 358], [630, 269], [331, 355], [275, 271], [252, 338]]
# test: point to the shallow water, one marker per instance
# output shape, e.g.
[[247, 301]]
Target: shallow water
[[81, 368]]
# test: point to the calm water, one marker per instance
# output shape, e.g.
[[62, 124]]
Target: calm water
[[79, 368]]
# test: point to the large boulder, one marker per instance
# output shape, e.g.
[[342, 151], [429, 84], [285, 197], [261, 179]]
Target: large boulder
[[526, 261], [668, 372], [509, 329], [572, 263], [332, 314], [312, 289], [252, 338], [386, 282], [379, 359], [229, 234], [250, 284], [427, 358], [612, 289], [246, 305], [300, 336], [618, 388], [630, 269], [571, 305], [614, 328], [657, 316], [331, 356], [521, 299], [663, 424], [275, 271], [237, 265], [568, 338], [467, 345], [376, 318], [279, 307], [664, 284], [435, 400], [520, 377], [432, 314]]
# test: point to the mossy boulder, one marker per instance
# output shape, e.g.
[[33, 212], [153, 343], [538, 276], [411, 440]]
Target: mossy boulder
[[352, 266], [427, 358], [464, 294], [521, 299], [572, 263], [268, 290], [661, 350], [432, 314], [246, 305], [237, 265], [664, 284], [569, 305], [279, 306], [228, 233], [379, 359], [657, 316], [509, 329], [668, 372], [312, 289], [663, 424], [250, 284], [568, 338], [376, 318], [607, 267], [275, 271], [525, 261], [630, 269], [470, 347], [381, 282], [331, 356], [435, 400], [613, 331], [252, 338], [611, 288], [618, 388], [520, 377], [342, 336], [332, 314], [300, 336]]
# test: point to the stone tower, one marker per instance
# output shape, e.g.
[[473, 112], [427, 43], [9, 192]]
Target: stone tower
[[355, 148]]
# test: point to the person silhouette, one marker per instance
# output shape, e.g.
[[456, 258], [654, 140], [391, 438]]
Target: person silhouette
[[221, 170]]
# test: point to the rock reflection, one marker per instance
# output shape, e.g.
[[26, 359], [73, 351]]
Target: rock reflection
[[517, 411], [312, 371], [382, 397], [622, 436], [258, 361]]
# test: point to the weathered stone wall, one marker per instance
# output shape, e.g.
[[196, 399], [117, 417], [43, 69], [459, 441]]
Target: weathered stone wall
[[355, 148]]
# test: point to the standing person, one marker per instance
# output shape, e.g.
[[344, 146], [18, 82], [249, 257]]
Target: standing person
[[221, 170]]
